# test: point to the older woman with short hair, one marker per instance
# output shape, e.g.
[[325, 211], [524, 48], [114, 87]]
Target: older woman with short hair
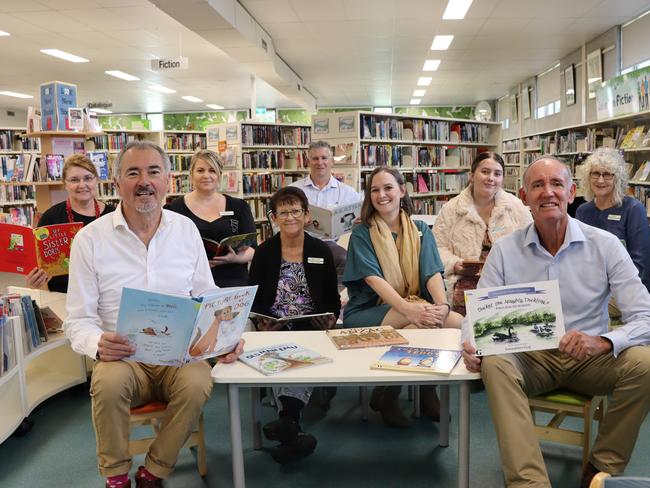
[[608, 207]]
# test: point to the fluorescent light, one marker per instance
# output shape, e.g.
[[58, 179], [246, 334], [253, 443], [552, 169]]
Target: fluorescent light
[[160, 88], [383, 110], [15, 94], [419, 93], [431, 65], [3, 33], [190, 98], [57, 53], [456, 9], [122, 75], [100, 111], [214, 106], [441, 43], [415, 101], [424, 81]]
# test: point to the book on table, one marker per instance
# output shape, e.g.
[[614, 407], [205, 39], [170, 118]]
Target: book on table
[[236, 242], [47, 247], [331, 222], [281, 357], [515, 318], [288, 318], [171, 330], [418, 360], [361, 337]]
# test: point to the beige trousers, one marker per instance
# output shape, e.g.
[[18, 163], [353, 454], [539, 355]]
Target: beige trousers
[[117, 386], [511, 379]]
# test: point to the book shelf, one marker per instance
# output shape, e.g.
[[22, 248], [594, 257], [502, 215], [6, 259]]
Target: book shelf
[[36, 376], [433, 153], [259, 159]]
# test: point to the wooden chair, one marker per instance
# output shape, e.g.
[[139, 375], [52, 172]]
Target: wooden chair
[[151, 414], [563, 404]]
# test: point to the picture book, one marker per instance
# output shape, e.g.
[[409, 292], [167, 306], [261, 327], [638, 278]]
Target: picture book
[[632, 138], [418, 360], [282, 357], [52, 321], [288, 318], [331, 222], [171, 330], [100, 160], [515, 318], [643, 172], [236, 242], [361, 337], [54, 166], [48, 248]]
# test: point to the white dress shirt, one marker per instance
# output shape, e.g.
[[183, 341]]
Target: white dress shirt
[[107, 256], [333, 194]]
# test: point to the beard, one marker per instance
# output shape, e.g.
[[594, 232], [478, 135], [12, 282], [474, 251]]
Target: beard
[[146, 208]]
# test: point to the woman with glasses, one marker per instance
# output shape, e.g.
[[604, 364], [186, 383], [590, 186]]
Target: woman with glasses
[[217, 216], [393, 274], [296, 275], [607, 207], [79, 177]]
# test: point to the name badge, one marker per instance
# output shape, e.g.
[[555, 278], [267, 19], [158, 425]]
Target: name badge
[[614, 217], [315, 260], [227, 213], [420, 233]]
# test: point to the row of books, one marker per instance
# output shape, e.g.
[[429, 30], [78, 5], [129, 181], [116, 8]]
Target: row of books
[[429, 206], [7, 345], [18, 215], [180, 162], [511, 145], [184, 142], [266, 183], [642, 193], [377, 127], [9, 140], [48, 167], [275, 159], [511, 158], [642, 173], [435, 182], [16, 193], [113, 142], [411, 156], [264, 135]]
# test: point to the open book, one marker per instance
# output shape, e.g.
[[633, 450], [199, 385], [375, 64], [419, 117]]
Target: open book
[[23, 248], [331, 222], [236, 242], [171, 330], [418, 359]]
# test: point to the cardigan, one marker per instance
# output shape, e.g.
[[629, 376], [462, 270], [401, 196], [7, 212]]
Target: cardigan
[[320, 273]]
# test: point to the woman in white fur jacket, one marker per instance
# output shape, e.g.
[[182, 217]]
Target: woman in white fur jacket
[[470, 223]]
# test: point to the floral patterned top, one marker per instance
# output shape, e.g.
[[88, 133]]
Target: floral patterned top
[[292, 297]]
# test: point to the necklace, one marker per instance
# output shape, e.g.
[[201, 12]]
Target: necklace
[[68, 210]]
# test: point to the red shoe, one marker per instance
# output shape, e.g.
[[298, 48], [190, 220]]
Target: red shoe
[[142, 482]]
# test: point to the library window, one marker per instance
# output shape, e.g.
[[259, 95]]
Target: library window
[[548, 109], [643, 64]]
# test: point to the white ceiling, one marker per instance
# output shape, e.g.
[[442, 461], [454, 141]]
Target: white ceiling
[[348, 52]]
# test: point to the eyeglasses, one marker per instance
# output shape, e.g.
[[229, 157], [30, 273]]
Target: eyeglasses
[[75, 181], [595, 175], [295, 213]]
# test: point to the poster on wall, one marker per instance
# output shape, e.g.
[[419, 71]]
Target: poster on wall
[[594, 71], [624, 95], [525, 101], [514, 110], [569, 85]]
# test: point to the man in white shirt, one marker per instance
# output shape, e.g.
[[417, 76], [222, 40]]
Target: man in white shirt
[[323, 190], [140, 245]]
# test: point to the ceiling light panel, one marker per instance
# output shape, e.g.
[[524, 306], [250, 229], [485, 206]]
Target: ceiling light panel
[[15, 94], [424, 81], [441, 43], [456, 9], [160, 88], [57, 53], [190, 98], [431, 65], [214, 106], [418, 93], [122, 75], [415, 101], [3, 33]]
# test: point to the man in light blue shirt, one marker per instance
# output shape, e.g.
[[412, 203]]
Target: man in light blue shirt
[[589, 264]]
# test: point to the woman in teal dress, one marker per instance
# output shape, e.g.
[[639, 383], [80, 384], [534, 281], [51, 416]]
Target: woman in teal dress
[[393, 275]]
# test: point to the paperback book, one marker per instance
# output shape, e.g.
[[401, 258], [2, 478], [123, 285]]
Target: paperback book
[[361, 337], [282, 357], [236, 242], [171, 330], [54, 166], [100, 161], [418, 359], [331, 222], [47, 247], [515, 318]]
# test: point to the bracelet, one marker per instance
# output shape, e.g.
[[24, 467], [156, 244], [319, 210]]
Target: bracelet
[[448, 306]]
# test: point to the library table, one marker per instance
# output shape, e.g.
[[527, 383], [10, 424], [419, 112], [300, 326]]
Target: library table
[[349, 368]]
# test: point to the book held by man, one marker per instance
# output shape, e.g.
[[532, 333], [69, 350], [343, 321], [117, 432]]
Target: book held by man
[[236, 242], [171, 330], [361, 337], [47, 247], [282, 357], [418, 360], [515, 318], [331, 222]]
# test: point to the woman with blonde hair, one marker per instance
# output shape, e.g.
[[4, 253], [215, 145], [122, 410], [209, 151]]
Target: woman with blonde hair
[[604, 183], [79, 178], [217, 216]]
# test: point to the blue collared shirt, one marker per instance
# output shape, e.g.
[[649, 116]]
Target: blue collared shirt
[[590, 265], [333, 194]]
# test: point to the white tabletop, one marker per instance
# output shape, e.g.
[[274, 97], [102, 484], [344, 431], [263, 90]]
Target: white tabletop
[[348, 366]]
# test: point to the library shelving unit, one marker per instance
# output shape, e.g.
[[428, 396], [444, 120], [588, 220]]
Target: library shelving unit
[[433, 153], [512, 159], [36, 376], [180, 145], [260, 158]]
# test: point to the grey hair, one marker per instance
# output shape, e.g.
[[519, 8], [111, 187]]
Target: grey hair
[[320, 145], [548, 157], [612, 161], [141, 146]]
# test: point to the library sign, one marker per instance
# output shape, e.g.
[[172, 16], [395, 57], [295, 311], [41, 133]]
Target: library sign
[[623, 95], [168, 64]]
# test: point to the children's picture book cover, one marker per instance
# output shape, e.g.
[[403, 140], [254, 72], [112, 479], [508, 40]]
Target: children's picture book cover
[[515, 318], [282, 357], [361, 337], [171, 330], [54, 166], [331, 222], [100, 160], [418, 359], [47, 247], [236, 242]]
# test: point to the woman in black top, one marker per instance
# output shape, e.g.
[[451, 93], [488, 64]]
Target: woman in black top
[[217, 216], [80, 180]]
